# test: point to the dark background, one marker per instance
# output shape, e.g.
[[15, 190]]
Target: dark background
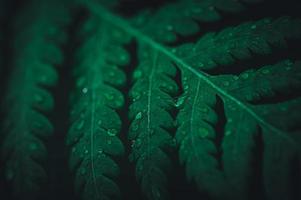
[[60, 183]]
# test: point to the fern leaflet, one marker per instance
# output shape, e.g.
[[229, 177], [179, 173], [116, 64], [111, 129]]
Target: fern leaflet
[[28, 100], [93, 135]]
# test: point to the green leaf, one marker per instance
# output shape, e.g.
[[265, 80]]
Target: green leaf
[[94, 133], [152, 102], [27, 99], [182, 17], [224, 48], [219, 159]]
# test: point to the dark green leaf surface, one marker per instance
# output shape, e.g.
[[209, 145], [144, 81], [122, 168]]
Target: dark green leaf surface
[[219, 158], [28, 100], [94, 134], [152, 102], [182, 17]]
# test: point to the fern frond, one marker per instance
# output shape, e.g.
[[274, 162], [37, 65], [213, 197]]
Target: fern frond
[[181, 17], [152, 102], [36, 51], [255, 85], [197, 135], [93, 136], [216, 49], [221, 164]]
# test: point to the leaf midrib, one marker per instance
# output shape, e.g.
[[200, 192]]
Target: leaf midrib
[[95, 69], [117, 21]]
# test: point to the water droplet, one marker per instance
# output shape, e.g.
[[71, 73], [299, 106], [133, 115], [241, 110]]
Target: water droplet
[[137, 74], [112, 132], [228, 132], [138, 116], [85, 90], [253, 26], [133, 143], [136, 96], [180, 101], [203, 132], [86, 151], [235, 78], [265, 71], [99, 122], [100, 151], [245, 75]]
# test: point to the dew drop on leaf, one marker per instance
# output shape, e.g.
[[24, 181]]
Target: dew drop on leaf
[[265, 71], [138, 116], [235, 78], [228, 132], [86, 151], [112, 132], [133, 143], [85, 90], [180, 101], [245, 75], [203, 132], [137, 74]]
